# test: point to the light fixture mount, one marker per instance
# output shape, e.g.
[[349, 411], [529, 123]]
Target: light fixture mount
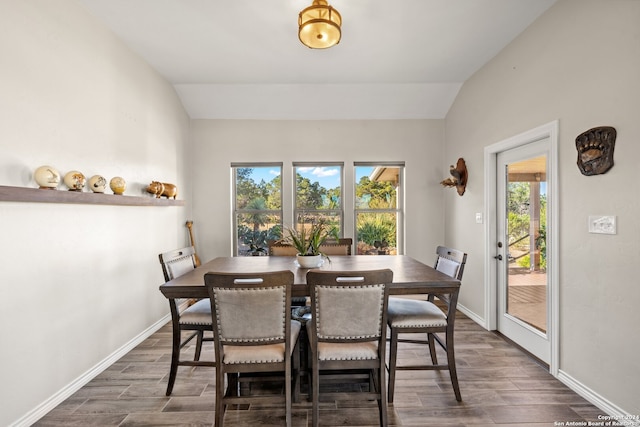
[[319, 25]]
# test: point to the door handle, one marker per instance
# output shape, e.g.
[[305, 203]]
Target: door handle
[[498, 257]]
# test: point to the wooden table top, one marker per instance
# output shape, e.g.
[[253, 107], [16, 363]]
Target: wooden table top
[[409, 275]]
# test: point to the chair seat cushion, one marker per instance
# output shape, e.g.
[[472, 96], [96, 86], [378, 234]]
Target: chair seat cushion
[[345, 351], [410, 313], [267, 353], [197, 314]]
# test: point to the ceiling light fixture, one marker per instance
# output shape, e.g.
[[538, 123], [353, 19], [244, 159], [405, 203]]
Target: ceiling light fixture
[[319, 25]]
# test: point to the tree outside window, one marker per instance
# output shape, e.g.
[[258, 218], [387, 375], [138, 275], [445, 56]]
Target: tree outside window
[[318, 196], [258, 207]]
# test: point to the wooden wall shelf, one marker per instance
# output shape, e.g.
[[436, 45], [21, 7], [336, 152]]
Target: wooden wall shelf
[[36, 195]]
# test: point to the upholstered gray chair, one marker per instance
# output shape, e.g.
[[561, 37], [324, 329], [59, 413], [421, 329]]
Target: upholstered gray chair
[[195, 317], [253, 333], [347, 334], [410, 316]]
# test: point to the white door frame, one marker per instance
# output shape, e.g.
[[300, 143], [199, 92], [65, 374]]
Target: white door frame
[[549, 130]]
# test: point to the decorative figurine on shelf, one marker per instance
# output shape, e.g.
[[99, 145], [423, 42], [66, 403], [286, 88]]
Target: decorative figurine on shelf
[[595, 150], [98, 183], [160, 189], [118, 185], [47, 177], [75, 180], [458, 177]]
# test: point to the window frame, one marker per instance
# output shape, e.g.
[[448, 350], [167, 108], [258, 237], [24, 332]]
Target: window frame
[[234, 207], [399, 210]]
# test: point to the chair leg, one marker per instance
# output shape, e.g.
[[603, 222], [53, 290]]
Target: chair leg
[[296, 371], [432, 348], [393, 351], [196, 357], [175, 360], [382, 401], [287, 394], [451, 361], [315, 393], [233, 385], [220, 393]]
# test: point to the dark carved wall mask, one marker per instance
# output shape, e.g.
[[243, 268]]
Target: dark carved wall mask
[[595, 150]]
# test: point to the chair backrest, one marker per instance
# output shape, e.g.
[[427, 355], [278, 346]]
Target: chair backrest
[[250, 308], [337, 247], [349, 306], [177, 262], [329, 247], [279, 248], [450, 261]]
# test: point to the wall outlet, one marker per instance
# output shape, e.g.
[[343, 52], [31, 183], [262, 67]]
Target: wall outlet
[[602, 224]]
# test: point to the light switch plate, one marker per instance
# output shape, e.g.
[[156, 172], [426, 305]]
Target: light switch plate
[[602, 224], [478, 217]]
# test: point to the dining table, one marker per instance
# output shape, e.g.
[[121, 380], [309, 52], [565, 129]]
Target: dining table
[[410, 276]]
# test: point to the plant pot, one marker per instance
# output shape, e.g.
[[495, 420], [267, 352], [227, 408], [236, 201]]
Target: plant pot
[[309, 261]]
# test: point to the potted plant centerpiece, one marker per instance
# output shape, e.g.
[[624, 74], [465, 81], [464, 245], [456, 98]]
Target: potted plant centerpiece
[[307, 241]]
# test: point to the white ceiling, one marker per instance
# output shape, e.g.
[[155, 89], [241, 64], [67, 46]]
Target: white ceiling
[[241, 59]]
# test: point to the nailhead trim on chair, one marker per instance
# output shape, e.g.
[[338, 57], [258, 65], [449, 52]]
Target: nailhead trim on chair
[[357, 336]]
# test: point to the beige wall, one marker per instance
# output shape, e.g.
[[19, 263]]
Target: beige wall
[[75, 97], [578, 63], [217, 143], [79, 282]]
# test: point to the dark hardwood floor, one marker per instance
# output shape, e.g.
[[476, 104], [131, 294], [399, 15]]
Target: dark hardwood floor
[[500, 386]]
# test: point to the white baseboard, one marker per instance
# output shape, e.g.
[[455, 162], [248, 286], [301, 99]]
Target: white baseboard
[[473, 316], [608, 408], [41, 410]]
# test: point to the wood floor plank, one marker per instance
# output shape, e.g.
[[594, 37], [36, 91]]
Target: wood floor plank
[[500, 385]]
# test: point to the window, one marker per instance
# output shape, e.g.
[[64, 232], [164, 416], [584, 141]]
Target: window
[[378, 208], [318, 194], [257, 206]]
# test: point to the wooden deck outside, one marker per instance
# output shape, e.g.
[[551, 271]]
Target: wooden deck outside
[[528, 296]]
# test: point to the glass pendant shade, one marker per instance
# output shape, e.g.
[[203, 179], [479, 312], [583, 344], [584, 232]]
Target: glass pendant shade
[[319, 25]]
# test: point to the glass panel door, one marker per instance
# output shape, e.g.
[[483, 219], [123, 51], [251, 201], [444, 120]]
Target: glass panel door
[[523, 291], [526, 232]]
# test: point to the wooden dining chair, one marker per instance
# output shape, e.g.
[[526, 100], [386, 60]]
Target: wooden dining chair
[[347, 335], [195, 318], [253, 334], [329, 247], [280, 248], [411, 316], [337, 247]]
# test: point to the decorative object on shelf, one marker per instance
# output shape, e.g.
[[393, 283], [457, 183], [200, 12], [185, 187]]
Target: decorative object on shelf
[[189, 225], [595, 150], [47, 177], [98, 183], [160, 189], [75, 180], [319, 25], [118, 185], [458, 177]]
